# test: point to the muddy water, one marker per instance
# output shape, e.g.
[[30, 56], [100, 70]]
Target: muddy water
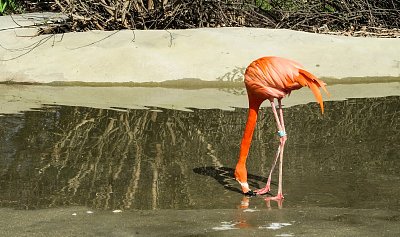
[[171, 172]]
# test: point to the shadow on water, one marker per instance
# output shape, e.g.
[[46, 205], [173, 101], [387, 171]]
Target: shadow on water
[[168, 159], [225, 177]]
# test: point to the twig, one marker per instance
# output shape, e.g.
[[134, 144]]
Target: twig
[[97, 41], [39, 43]]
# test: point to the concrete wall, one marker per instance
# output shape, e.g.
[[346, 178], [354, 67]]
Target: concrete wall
[[160, 55]]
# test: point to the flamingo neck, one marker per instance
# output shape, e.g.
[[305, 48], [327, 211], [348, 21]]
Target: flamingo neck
[[248, 131]]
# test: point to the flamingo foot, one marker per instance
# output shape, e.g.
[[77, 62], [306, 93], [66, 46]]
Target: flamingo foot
[[262, 191], [276, 198]]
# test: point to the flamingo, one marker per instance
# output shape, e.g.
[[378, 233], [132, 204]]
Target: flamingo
[[270, 78]]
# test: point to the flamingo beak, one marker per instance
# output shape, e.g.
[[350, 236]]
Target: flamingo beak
[[250, 193], [245, 189]]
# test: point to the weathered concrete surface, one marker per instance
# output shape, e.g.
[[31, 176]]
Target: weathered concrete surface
[[75, 221], [160, 55]]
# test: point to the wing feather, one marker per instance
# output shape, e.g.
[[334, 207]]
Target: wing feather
[[263, 67], [284, 72], [317, 94], [276, 77], [314, 78], [279, 76]]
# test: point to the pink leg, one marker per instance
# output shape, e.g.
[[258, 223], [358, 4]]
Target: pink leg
[[282, 139], [279, 196], [282, 133], [267, 187], [281, 116]]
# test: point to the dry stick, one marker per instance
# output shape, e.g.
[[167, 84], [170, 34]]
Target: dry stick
[[19, 49], [134, 36], [173, 14], [109, 9], [156, 20], [124, 11], [97, 41], [99, 26], [39, 43], [261, 17], [171, 37], [60, 5], [227, 13], [200, 13], [140, 6]]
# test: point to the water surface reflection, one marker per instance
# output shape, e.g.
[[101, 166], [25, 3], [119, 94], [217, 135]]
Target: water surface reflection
[[168, 159]]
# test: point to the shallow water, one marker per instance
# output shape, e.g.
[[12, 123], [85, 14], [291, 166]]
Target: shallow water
[[341, 169]]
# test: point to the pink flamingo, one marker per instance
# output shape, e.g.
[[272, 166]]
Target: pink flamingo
[[270, 78]]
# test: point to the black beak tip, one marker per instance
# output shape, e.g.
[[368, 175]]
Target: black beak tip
[[250, 193]]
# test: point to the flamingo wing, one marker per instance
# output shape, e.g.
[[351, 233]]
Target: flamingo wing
[[275, 77]]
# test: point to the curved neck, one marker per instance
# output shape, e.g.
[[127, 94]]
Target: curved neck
[[254, 106]]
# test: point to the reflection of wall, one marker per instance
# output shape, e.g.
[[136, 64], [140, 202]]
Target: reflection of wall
[[144, 159]]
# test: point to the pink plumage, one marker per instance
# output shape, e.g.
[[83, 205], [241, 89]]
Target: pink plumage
[[271, 78]]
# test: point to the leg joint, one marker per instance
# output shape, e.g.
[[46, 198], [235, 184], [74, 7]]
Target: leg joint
[[282, 133]]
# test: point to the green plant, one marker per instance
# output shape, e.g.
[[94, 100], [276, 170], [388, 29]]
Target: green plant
[[2, 6], [285, 5], [329, 8], [7, 5], [263, 5]]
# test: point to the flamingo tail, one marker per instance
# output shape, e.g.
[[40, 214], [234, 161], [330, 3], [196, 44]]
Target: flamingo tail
[[314, 84]]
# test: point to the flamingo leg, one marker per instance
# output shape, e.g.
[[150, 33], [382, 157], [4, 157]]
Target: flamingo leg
[[267, 187], [281, 116], [279, 196], [282, 139], [282, 133]]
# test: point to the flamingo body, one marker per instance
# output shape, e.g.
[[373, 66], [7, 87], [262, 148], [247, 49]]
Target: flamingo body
[[271, 78]]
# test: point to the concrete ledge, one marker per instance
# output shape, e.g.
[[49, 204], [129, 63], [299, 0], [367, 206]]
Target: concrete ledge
[[160, 55]]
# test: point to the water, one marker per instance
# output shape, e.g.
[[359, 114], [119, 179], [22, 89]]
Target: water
[[171, 172]]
